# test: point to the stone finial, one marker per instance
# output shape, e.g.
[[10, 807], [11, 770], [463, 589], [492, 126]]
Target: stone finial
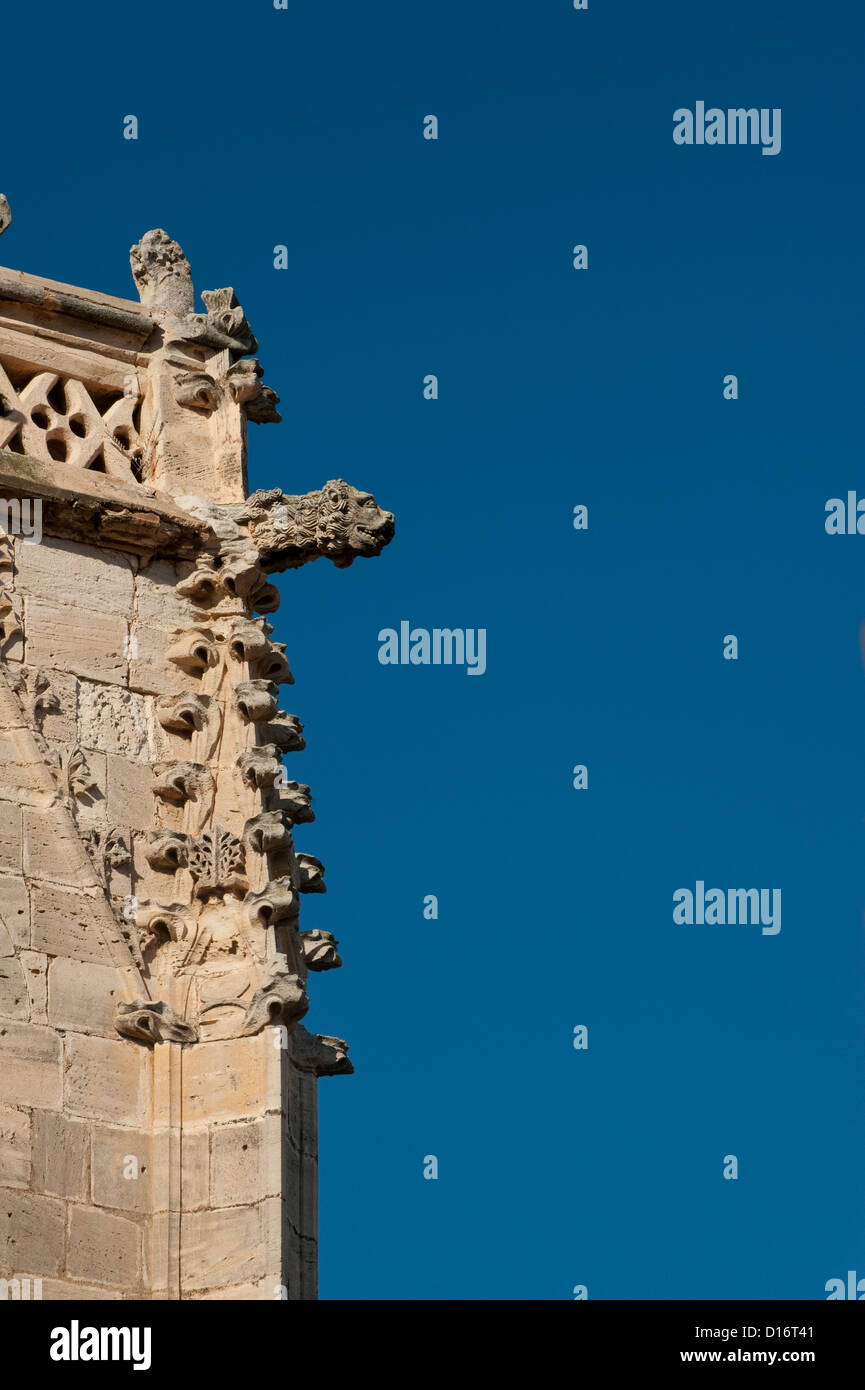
[[162, 275], [5, 214]]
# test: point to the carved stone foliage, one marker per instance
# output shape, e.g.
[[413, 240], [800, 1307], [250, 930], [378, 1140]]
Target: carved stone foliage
[[74, 774], [216, 861], [35, 695], [146, 1020], [338, 522], [51, 417], [108, 850]]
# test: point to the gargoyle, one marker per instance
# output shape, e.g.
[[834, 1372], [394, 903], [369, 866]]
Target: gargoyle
[[320, 950], [320, 1054], [146, 1020], [337, 522]]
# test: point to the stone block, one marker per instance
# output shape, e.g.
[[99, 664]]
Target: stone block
[[157, 602], [121, 1168], [65, 572], [103, 1248], [130, 799], [222, 1246], [14, 995], [246, 1162], [14, 913], [228, 1080], [14, 1147], [62, 1290], [11, 837], [83, 997], [105, 1080], [31, 1233], [35, 967], [53, 849], [86, 642], [66, 923], [31, 1071], [22, 779], [59, 1155], [149, 672], [113, 720]]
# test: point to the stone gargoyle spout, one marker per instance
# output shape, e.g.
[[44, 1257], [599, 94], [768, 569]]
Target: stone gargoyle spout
[[336, 522]]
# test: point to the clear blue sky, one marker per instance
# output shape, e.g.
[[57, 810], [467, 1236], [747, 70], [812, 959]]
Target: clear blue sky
[[557, 387]]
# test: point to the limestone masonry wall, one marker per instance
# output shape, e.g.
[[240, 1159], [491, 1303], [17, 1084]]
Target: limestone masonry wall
[[157, 1086]]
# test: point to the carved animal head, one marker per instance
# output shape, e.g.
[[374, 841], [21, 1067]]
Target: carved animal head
[[350, 523]]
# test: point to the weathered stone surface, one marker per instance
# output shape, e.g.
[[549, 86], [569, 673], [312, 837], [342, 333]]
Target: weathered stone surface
[[245, 1162], [105, 1080], [14, 995], [157, 600], [88, 642], [121, 1167], [60, 1155], [35, 967], [15, 1134], [148, 669], [53, 849], [14, 912], [66, 923], [113, 720], [31, 1233], [130, 798], [65, 573], [63, 1290], [227, 1080], [104, 1248], [223, 1246], [11, 837], [83, 996], [31, 1073]]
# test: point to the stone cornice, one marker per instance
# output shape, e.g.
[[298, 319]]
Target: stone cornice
[[91, 508]]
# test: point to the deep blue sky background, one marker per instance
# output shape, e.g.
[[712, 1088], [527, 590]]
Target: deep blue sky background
[[303, 127]]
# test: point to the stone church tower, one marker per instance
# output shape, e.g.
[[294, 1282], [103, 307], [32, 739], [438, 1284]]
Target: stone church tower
[[157, 1085]]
